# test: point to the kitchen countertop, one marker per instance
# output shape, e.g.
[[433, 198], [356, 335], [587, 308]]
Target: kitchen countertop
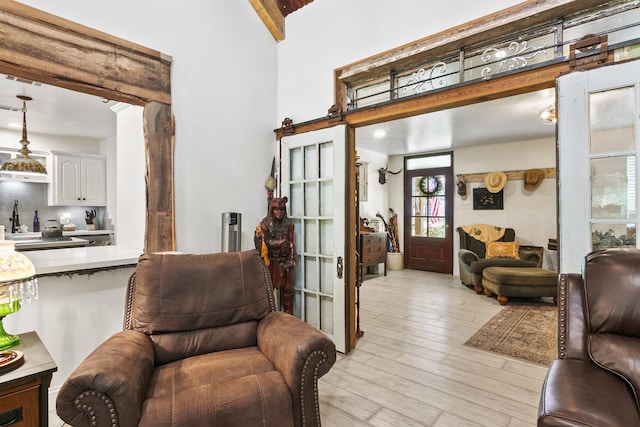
[[70, 260], [10, 236]]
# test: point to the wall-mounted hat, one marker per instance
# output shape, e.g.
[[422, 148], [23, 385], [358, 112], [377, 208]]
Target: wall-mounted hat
[[533, 178], [462, 188], [495, 181]]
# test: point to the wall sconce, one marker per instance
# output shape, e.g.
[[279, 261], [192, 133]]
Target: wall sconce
[[548, 115]]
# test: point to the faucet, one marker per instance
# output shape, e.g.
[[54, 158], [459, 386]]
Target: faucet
[[15, 218]]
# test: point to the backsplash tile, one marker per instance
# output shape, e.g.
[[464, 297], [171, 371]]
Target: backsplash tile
[[32, 196]]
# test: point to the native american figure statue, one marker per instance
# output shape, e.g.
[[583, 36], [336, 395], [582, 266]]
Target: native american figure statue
[[274, 239]]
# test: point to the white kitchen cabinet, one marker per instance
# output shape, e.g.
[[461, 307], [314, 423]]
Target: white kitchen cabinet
[[44, 158], [78, 180]]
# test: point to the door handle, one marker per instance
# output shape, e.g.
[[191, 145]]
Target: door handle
[[340, 267]]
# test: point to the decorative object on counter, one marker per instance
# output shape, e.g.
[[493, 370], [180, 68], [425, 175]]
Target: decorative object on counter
[[51, 229], [36, 222], [17, 284], [274, 239], [90, 219], [23, 163], [495, 181], [69, 227], [15, 218], [532, 178], [23, 228]]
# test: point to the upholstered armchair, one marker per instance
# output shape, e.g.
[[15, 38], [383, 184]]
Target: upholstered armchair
[[596, 380], [472, 257], [202, 345]]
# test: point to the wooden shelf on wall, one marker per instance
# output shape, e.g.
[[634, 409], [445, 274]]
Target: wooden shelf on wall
[[514, 174]]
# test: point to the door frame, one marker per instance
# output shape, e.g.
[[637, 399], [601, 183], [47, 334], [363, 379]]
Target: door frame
[[517, 18]]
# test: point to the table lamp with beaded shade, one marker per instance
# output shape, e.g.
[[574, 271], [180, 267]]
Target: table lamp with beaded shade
[[17, 284]]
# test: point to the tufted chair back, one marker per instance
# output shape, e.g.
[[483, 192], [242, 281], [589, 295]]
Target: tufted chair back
[[196, 304], [611, 280]]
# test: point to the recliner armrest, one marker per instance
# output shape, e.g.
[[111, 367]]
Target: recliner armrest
[[467, 257], [110, 385], [302, 354]]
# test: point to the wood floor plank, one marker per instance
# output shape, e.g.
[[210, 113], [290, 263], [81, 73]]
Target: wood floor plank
[[411, 366]]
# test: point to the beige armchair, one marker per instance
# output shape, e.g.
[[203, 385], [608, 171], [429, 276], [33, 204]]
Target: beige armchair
[[202, 345]]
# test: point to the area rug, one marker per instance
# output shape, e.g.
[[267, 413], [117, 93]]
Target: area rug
[[525, 332]]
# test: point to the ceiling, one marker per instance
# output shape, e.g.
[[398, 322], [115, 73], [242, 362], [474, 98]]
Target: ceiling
[[61, 112], [55, 111], [503, 120]]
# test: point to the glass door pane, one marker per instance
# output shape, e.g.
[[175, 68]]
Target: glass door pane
[[613, 164], [428, 206]]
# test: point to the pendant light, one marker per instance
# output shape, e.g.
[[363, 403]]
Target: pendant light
[[24, 164]]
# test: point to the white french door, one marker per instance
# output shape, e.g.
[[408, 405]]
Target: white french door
[[312, 174], [598, 153]]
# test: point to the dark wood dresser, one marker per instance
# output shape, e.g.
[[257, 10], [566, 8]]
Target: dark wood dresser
[[373, 247]]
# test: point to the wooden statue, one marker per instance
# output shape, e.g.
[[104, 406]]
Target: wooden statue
[[274, 238]]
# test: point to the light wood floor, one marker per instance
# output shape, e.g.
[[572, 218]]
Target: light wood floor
[[411, 369]]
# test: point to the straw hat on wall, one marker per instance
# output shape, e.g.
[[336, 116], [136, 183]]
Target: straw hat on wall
[[495, 181], [532, 178]]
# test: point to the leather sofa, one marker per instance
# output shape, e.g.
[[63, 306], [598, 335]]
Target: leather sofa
[[596, 380], [202, 345], [472, 258]]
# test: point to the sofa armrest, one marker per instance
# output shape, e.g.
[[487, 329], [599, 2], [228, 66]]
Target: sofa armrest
[[467, 257], [110, 384], [302, 354], [572, 318]]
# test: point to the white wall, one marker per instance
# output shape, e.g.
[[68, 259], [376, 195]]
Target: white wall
[[533, 214], [224, 101], [329, 34], [377, 196], [129, 210]]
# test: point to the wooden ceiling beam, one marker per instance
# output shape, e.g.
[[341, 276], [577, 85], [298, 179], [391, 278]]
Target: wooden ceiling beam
[[270, 14]]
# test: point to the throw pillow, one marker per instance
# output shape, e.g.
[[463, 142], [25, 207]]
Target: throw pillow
[[503, 250]]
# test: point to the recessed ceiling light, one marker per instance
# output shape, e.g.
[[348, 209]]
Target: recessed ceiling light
[[379, 133]]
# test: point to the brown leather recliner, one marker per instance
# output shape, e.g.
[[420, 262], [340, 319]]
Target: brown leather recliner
[[596, 380], [202, 345]]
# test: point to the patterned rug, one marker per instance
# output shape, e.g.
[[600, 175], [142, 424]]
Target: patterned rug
[[525, 332]]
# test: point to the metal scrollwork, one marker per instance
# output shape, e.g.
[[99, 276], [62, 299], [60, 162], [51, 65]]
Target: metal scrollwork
[[423, 80], [519, 55]]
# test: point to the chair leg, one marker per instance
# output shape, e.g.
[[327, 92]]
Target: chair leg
[[478, 289], [502, 300]]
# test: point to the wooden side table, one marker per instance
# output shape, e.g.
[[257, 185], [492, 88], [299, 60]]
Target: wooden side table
[[373, 247], [24, 399]]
